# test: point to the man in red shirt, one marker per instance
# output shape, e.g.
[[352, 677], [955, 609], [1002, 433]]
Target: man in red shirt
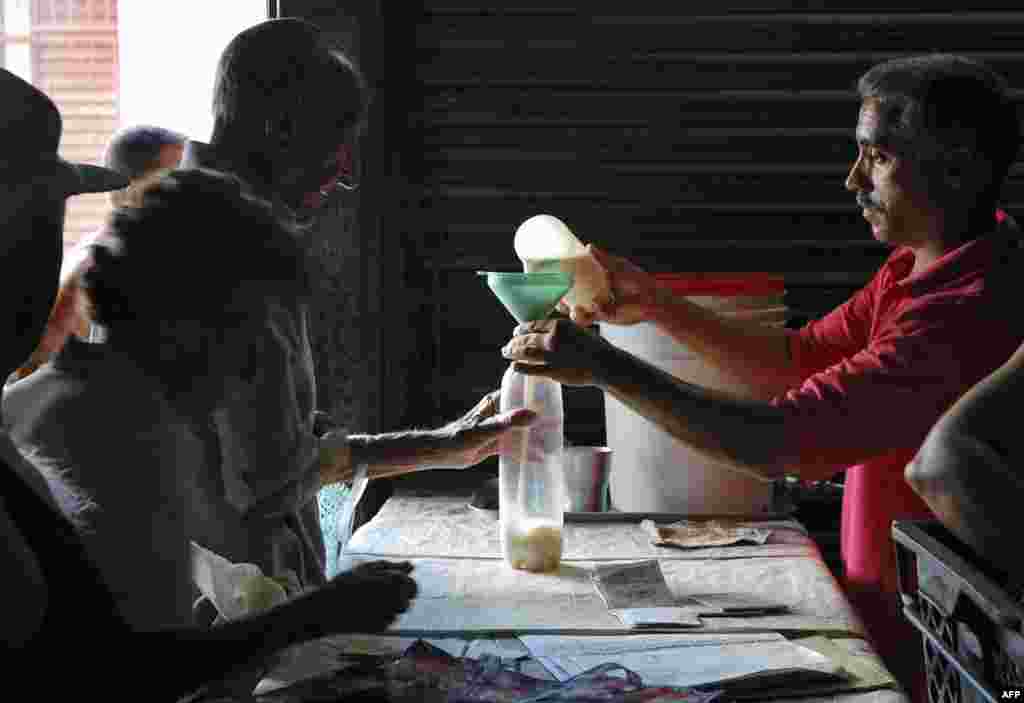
[[860, 388]]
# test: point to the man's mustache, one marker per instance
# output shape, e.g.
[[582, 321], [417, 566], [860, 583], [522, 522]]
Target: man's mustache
[[869, 201]]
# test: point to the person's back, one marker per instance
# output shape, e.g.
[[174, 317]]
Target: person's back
[[120, 419], [969, 470], [96, 419]]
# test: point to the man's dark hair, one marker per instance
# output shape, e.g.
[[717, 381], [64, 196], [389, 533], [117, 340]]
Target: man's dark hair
[[190, 266], [284, 67], [955, 102], [135, 151]]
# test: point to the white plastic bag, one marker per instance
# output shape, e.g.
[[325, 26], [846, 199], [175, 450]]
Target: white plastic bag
[[235, 590]]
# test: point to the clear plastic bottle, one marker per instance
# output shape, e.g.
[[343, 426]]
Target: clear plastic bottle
[[531, 482]]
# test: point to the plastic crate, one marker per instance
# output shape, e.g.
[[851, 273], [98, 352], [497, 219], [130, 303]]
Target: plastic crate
[[971, 626]]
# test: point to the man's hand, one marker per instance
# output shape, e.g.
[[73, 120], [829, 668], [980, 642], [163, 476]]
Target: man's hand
[[476, 435], [458, 445], [369, 598], [559, 350], [634, 293]]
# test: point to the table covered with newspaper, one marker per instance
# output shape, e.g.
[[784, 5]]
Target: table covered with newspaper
[[698, 610]]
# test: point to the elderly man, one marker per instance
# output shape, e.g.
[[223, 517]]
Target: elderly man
[[860, 388], [56, 606], [261, 450]]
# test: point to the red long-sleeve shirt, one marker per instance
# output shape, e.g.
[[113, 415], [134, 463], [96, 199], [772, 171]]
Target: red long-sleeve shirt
[[881, 369]]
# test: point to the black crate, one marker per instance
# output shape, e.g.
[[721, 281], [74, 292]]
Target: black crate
[[971, 625]]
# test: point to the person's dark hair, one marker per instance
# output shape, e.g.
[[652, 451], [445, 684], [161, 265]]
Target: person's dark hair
[[283, 67], [953, 102], [135, 151], [188, 268]]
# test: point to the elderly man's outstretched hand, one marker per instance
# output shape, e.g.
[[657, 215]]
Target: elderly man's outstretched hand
[[477, 435], [557, 349]]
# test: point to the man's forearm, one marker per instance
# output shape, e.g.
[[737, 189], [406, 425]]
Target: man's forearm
[[747, 435], [754, 353], [394, 453], [385, 455]]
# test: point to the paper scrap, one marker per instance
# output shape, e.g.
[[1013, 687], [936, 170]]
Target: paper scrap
[[638, 596], [702, 533], [635, 585]]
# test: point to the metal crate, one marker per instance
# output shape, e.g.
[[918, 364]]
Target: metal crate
[[973, 646]]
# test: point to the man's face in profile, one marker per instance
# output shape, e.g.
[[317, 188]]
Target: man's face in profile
[[313, 168], [891, 187]]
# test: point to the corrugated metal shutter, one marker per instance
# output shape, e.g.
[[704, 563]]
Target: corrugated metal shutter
[[699, 136]]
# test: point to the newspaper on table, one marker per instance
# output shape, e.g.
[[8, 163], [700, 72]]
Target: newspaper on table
[[743, 661], [638, 595]]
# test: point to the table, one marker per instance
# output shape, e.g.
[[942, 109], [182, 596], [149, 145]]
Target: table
[[471, 603], [465, 586]]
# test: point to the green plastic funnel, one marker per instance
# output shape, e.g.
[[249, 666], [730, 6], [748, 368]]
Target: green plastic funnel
[[528, 296]]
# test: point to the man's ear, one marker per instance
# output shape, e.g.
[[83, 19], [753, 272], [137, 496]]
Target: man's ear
[[964, 169], [957, 167]]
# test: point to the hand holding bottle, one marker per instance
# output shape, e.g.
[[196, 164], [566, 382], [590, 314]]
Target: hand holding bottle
[[559, 350]]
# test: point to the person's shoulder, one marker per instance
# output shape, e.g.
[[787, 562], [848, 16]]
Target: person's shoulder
[[84, 387], [29, 402]]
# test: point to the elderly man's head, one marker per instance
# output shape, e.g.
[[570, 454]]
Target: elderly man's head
[[937, 135], [141, 153], [34, 184], [295, 105]]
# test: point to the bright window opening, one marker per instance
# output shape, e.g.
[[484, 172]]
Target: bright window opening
[[109, 64]]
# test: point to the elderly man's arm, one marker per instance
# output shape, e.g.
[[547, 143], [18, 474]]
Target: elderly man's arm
[[459, 444], [968, 470]]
